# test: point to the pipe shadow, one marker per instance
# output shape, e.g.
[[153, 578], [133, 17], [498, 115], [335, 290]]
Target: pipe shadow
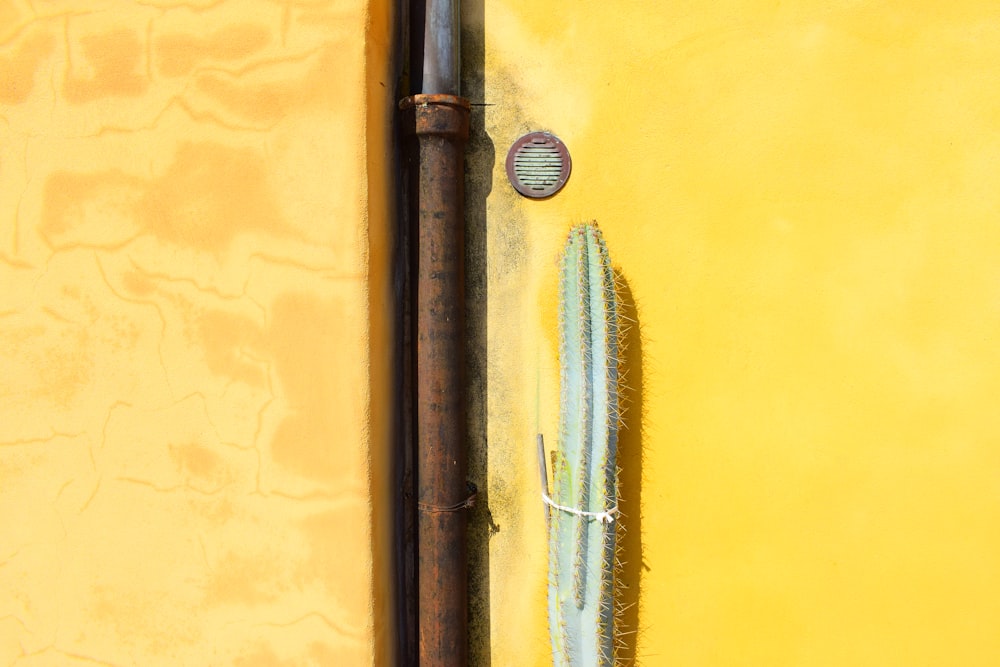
[[630, 460], [480, 158], [404, 481]]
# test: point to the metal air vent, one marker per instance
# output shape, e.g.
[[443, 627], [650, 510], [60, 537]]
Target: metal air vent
[[538, 165]]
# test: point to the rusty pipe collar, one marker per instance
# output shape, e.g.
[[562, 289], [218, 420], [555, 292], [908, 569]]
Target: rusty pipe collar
[[436, 114]]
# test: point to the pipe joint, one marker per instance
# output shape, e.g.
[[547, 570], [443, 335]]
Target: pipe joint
[[446, 115]]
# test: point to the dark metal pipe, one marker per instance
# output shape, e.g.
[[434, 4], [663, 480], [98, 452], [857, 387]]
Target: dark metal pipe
[[442, 61], [439, 125]]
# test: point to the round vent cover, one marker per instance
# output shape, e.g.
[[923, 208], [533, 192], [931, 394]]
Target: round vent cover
[[538, 165]]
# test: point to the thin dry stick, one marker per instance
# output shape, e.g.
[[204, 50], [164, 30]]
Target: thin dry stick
[[544, 475]]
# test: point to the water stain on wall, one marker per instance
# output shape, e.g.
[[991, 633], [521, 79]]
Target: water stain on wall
[[95, 209], [209, 195], [19, 68], [303, 343], [110, 67]]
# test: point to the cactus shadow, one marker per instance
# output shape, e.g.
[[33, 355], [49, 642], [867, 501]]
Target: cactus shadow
[[630, 461]]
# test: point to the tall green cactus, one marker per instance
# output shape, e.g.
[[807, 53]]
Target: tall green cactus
[[585, 473]]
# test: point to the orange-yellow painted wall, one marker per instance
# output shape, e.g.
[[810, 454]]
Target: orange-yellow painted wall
[[193, 333], [803, 200]]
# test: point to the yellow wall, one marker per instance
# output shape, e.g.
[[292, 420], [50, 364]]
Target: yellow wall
[[193, 332], [803, 201]]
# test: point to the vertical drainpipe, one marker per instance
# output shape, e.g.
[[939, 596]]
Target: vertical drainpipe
[[437, 122]]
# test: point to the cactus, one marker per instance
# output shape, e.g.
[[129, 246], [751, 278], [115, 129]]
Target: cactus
[[585, 474]]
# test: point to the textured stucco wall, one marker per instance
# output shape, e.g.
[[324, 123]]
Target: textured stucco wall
[[803, 200], [193, 332]]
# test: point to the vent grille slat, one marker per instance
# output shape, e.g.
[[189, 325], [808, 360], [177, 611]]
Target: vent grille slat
[[538, 165]]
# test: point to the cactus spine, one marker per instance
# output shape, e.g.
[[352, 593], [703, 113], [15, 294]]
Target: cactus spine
[[585, 473]]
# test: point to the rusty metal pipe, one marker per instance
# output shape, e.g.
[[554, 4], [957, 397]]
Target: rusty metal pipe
[[439, 128], [442, 63]]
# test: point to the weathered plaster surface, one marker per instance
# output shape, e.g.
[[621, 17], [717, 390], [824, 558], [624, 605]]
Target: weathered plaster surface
[[188, 415], [803, 201]]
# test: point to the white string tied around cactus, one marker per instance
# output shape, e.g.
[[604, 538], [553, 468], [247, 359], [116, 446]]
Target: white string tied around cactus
[[607, 516]]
